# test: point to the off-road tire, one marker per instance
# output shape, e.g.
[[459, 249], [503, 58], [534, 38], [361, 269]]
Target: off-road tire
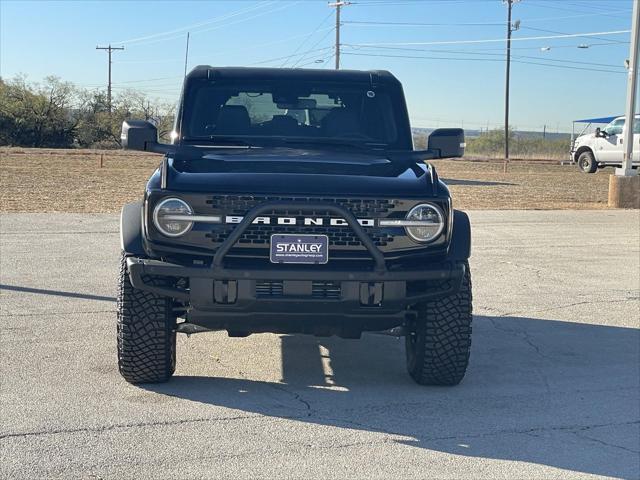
[[146, 333], [438, 340], [587, 162]]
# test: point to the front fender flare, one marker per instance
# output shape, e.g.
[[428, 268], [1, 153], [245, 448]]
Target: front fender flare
[[460, 248], [131, 229]]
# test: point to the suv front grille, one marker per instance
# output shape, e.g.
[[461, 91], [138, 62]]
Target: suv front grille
[[340, 236], [253, 245], [360, 207]]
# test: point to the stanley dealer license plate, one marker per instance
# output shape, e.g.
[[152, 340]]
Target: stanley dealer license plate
[[310, 249]]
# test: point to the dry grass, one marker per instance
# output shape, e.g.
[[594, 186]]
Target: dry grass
[[50, 181], [72, 181], [483, 185]]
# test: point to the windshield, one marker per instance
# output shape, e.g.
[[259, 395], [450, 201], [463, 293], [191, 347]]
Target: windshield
[[616, 127], [297, 112]]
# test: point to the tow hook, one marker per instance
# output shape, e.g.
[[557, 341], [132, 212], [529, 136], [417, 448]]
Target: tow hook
[[190, 328]]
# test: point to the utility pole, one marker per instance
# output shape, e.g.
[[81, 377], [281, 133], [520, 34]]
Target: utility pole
[[338, 5], [109, 49], [511, 27], [624, 186], [186, 56], [632, 88]]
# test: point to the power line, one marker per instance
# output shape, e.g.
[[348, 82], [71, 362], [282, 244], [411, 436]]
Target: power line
[[165, 60], [418, 24], [499, 40], [196, 25], [355, 46], [555, 7], [569, 67], [580, 15], [252, 48], [563, 33], [314, 46], [150, 79], [608, 65], [224, 25], [307, 37], [358, 23], [109, 49], [423, 57], [302, 55], [475, 51], [387, 3], [324, 61], [259, 14], [466, 121], [591, 7], [173, 91], [555, 46], [418, 57], [380, 4]]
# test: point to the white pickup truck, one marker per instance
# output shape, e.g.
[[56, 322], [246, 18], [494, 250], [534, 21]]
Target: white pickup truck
[[605, 147]]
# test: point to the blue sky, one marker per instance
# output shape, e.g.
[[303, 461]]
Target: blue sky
[[457, 81]]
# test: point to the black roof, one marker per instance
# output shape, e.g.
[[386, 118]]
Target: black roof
[[309, 74]]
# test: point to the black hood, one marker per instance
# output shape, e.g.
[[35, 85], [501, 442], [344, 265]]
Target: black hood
[[297, 171]]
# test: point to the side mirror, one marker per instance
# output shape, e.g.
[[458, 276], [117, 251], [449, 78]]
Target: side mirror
[[447, 142], [601, 133], [142, 135], [138, 135]]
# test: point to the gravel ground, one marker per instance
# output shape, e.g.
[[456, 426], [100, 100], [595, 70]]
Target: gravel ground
[[552, 390]]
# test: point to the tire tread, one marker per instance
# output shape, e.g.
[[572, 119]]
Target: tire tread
[[439, 352], [145, 333]]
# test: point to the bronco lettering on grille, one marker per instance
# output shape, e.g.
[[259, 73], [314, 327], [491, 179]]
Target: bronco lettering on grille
[[309, 221]]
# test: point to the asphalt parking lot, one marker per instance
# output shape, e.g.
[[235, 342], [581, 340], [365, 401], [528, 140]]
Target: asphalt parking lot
[[552, 390]]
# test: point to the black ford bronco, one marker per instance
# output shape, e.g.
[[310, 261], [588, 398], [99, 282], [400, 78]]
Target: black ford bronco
[[292, 201]]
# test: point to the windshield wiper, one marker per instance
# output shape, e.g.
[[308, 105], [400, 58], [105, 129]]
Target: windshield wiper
[[335, 142], [221, 141]]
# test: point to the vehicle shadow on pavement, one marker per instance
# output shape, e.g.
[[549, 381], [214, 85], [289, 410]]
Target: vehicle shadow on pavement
[[56, 293], [547, 392]]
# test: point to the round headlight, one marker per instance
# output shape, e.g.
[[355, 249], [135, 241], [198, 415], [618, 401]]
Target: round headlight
[[429, 222], [171, 217]]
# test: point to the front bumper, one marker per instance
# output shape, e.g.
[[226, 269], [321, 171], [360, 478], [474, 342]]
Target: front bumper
[[286, 300]]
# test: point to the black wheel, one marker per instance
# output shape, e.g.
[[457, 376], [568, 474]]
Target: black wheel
[[438, 341], [587, 163], [146, 333]]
